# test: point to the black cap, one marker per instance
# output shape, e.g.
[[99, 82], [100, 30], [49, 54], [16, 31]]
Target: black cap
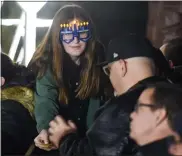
[[132, 45], [128, 46]]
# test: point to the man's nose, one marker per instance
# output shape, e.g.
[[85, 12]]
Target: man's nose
[[132, 115]]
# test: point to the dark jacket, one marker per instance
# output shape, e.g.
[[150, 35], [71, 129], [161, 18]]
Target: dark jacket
[[47, 105], [18, 127], [157, 148], [109, 134]]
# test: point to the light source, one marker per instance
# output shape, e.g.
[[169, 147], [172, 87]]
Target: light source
[[1, 3], [31, 8]]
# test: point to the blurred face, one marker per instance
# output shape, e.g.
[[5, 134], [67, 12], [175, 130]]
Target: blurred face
[[2, 81], [143, 118], [76, 47], [176, 149]]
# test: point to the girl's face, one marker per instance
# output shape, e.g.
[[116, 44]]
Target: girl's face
[[76, 47]]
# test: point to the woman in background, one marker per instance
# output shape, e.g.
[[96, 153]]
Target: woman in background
[[18, 127]]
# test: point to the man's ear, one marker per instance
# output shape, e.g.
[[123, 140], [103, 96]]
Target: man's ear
[[160, 115], [123, 67], [2, 81]]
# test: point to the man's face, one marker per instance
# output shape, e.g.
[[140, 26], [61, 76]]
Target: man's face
[[143, 118]]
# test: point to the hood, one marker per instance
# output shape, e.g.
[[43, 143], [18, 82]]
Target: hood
[[23, 95]]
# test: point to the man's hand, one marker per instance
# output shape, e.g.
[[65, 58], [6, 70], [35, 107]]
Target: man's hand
[[58, 129]]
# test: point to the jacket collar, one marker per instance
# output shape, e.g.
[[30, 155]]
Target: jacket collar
[[147, 81], [157, 148]]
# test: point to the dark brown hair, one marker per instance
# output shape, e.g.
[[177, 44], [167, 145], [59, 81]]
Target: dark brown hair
[[168, 96], [50, 53]]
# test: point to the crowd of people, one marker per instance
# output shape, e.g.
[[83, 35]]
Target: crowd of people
[[78, 98]]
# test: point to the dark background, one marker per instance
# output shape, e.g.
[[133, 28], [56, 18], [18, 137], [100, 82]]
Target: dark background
[[110, 18]]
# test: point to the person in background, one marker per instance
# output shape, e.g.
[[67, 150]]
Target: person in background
[[156, 112], [172, 50], [176, 147], [68, 81], [18, 127]]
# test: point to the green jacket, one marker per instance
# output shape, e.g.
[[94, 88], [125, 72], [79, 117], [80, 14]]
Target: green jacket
[[47, 105], [46, 101]]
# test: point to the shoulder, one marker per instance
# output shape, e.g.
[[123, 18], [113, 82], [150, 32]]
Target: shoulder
[[157, 148], [48, 73], [19, 95], [47, 78], [13, 107], [118, 108]]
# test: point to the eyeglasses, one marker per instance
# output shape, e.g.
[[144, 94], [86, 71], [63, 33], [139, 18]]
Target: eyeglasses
[[81, 30], [107, 69], [152, 106]]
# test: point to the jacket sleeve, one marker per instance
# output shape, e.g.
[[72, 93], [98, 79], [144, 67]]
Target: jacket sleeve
[[104, 138], [46, 101], [109, 133], [73, 145]]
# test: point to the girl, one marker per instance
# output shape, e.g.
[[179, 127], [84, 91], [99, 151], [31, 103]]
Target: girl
[[67, 75]]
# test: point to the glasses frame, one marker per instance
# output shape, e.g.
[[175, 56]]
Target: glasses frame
[[105, 68], [151, 106], [76, 33]]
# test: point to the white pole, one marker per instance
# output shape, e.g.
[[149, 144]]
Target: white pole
[[20, 56], [2, 3], [31, 9], [0, 30], [17, 37], [30, 36]]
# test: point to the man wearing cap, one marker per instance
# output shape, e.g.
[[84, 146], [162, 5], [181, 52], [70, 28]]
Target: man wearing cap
[[130, 65]]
